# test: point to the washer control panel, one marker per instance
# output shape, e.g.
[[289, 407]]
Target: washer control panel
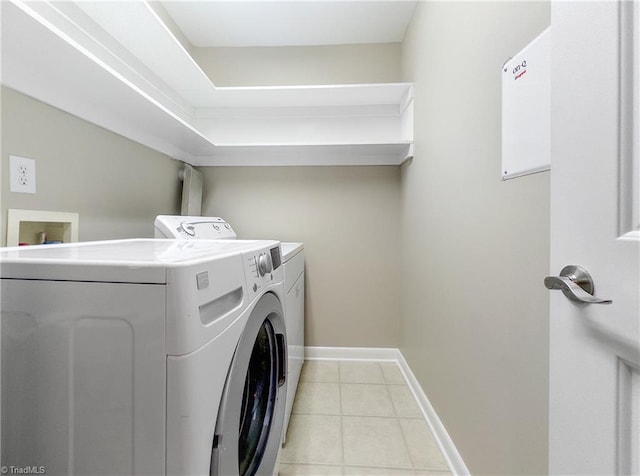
[[261, 270], [192, 228]]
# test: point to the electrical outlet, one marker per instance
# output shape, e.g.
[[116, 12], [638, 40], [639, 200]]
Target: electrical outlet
[[22, 174]]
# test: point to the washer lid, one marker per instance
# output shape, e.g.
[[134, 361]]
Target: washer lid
[[130, 261]]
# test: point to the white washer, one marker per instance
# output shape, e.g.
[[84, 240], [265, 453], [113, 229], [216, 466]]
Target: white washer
[[195, 227], [143, 357]]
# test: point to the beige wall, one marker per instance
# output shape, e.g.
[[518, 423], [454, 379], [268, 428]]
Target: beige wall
[[439, 258], [347, 218], [298, 65], [475, 312], [116, 185]]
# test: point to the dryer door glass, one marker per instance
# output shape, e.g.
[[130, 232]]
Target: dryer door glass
[[258, 400]]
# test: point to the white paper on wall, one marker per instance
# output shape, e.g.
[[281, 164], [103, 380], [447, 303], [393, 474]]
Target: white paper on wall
[[526, 109]]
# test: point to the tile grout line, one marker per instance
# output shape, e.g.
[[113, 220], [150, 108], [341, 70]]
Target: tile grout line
[[393, 404], [404, 437], [397, 418], [373, 417]]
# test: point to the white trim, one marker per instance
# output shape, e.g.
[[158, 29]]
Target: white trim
[[444, 441], [446, 444], [351, 353], [300, 112], [183, 114], [249, 155]]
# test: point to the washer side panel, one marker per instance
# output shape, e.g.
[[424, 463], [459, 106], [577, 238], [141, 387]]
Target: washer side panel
[[83, 365]]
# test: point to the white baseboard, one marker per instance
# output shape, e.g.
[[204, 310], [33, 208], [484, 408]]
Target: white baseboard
[[351, 353], [448, 448]]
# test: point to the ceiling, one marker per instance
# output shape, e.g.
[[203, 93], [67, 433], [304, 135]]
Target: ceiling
[[290, 23]]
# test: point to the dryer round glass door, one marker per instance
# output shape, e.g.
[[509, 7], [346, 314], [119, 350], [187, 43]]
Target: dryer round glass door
[[251, 415]]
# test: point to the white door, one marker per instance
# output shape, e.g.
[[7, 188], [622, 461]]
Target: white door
[[594, 406]]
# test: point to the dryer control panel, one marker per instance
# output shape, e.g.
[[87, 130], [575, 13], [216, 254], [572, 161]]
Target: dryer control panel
[[192, 228]]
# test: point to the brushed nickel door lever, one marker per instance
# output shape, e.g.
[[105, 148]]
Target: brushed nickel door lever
[[576, 284]]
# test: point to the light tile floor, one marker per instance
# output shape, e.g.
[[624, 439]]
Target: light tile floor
[[358, 418]]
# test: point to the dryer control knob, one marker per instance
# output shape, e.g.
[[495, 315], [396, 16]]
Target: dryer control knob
[[264, 264]]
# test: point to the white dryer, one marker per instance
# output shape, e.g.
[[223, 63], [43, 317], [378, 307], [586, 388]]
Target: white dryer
[[198, 228], [143, 357], [293, 265]]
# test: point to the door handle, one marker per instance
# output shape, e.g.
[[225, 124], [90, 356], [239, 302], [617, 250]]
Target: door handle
[[281, 344], [576, 284]]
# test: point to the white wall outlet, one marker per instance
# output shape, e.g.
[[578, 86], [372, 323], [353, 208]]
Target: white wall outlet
[[22, 174]]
